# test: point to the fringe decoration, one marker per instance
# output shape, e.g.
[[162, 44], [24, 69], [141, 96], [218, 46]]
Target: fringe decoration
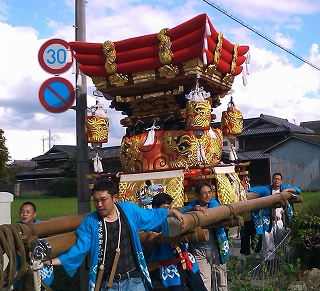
[[212, 134], [200, 153], [151, 134], [233, 154], [97, 165]]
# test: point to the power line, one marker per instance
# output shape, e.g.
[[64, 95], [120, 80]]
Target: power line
[[260, 34]]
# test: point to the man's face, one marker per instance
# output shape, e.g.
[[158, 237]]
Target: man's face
[[103, 202], [27, 214], [276, 181], [205, 195], [165, 205]]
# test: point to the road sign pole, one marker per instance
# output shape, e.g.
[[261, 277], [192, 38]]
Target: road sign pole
[[81, 107], [83, 194]]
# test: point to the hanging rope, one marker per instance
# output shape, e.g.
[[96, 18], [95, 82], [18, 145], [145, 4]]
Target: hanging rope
[[35, 268], [15, 244]]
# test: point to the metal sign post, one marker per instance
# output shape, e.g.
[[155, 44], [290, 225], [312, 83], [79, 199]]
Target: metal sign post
[[83, 194]]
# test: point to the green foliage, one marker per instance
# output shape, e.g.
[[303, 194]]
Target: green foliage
[[306, 238], [64, 187], [288, 273], [305, 230], [69, 170], [240, 276], [4, 158]]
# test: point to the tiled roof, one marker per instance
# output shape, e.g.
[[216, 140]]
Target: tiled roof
[[23, 163], [314, 139], [40, 173], [314, 125], [276, 125], [106, 153], [248, 156], [57, 152], [262, 131], [60, 152]]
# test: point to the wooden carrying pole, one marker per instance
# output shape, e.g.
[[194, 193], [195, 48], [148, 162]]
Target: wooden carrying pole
[[53, 226], [224, 215], [63, 242], [195, 219]]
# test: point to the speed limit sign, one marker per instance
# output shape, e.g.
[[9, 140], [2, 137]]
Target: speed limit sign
[[55, 57]]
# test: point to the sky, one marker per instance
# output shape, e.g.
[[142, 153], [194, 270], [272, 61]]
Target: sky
[[278, 84]]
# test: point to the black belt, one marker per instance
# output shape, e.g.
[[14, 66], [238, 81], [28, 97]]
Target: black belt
[[127, 275]]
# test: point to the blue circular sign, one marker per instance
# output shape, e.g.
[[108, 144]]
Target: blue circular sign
[[56, 95]]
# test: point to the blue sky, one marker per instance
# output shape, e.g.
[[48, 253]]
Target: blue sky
[[278, 84]]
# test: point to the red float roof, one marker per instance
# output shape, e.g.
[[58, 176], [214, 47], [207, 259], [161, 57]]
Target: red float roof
[[193, 39]]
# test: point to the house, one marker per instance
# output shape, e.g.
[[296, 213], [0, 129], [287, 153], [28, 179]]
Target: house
[[273, 144], [49, 166], [298, 157], [314, 125]]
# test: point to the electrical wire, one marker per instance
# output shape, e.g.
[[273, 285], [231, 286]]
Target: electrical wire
[[260, 34]]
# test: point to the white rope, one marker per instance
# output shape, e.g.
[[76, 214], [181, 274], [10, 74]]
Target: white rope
[[35, 267]]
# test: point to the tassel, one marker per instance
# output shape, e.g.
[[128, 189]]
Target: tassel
[[244, 79], [200, 153], [69, 56], [203, 155], [151, 134], [79, 80], [247, 69], [248, 59], [208, 31], [204, 58], [73, 68], [97, 165], [233, 154], [212, 134], [205, 43]]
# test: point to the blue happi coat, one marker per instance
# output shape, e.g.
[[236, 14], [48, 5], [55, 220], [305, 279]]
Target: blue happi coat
[[170, 275], [220, 234], [138, 219], [262, 221]]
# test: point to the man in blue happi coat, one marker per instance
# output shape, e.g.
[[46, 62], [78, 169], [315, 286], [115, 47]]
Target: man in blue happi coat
[[110, 235]]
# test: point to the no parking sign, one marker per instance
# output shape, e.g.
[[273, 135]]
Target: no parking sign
[[56, 95]]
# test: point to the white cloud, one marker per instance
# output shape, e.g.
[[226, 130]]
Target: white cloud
[[285, 41]]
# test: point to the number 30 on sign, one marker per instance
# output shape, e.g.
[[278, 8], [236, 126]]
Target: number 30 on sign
[[55, 57]]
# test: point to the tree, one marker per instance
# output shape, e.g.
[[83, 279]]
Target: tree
[[69, 168], [4, 158]]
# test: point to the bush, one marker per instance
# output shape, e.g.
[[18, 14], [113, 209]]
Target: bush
[[306, 238], [64, 187]]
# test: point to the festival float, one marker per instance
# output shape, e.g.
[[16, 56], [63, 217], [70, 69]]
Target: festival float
[[167, 85]]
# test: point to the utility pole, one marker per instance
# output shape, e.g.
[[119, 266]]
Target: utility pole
[[83, 194], [81, 108], [49, 139]]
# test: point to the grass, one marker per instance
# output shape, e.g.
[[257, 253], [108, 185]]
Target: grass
[[47, 207], [311, 202]]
